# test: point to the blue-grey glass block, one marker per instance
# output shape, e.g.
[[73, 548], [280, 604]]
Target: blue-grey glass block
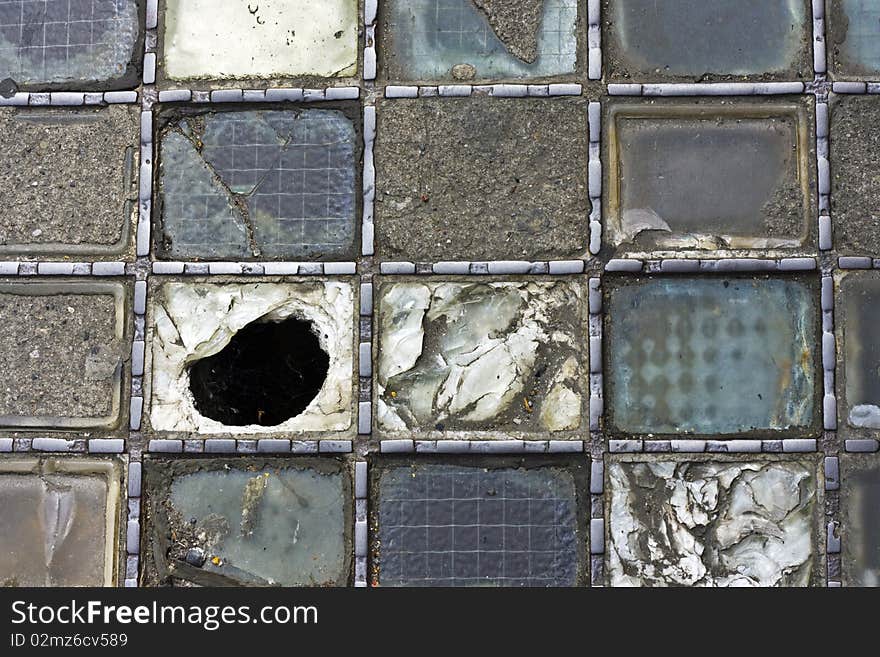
[[426, 39], [651, 39], [711, 356], [860, 511], [859, 316], [272, 184], [854, 37], [62, 41], [449, 525]]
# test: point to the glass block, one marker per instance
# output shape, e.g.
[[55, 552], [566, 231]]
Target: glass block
[[711, 356], [191, 323], [709, 175], [854, 38], [648, 40], [59, 521], [858, 316], [63, 348], [456, 356], [714, 521], [248, 522], [276, 184], [69, 184], [855, 174], [860, 519], [271, 39], [441, 524], [69, 42], [479, 39], [482, 178]]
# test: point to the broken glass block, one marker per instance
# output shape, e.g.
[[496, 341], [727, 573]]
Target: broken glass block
[[271, 184], [711, 356]]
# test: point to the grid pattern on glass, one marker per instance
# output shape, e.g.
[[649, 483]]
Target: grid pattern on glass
[[279, 184], [446, 525], [432, 36], [54, 41], [862, 42]]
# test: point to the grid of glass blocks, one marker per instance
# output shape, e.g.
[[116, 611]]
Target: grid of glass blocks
[[439, 292]]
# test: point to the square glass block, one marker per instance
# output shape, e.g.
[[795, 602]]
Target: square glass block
[[272, 39], [647, 40], [711, 356], [479, 39], [860, 519], [274, 184], [251, 522], [466, 525], [65, 42], [714, 521], [853, 38], [859, 314], [59, 521], [707, 175]]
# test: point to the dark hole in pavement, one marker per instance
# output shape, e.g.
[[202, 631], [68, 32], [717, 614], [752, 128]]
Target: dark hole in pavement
[[268, 373]]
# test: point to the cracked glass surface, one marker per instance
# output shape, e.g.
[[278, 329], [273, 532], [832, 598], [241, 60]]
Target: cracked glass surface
[[61, 41], [456, 356], [449, 525], [697, 37], [272, 39], [272, 526], [58, 522], [273, 184], [710, 356], [709, 177], [854, 37], [860, 293], [466, 39], [675, 522], [860, 514]]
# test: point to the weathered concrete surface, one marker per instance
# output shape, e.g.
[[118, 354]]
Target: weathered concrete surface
[[481, 178], [517, 23], [855, 174], [68, 179]]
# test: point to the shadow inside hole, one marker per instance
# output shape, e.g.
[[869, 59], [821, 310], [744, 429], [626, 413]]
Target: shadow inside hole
[[267, 374]]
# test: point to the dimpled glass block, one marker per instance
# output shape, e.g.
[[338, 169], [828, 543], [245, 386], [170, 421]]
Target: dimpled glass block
[[697, 37], [714, 178], [442, 39], [449, 525], [234, 39], [860, 511], [62, 41], [861, 311], [854, 37], [711, 356], [274, 184], [58, 520], [282, 525]]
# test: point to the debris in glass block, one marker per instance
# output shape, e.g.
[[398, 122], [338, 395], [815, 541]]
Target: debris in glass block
[[59, 523], [710, 175], [474, 356], [859, 314], [693, 39], [63, 346], [860, 514], [270, 39], [225, 359], [250, 184], [711, 356], [72, 42], [479, 39], [440, 524], [855, 174], [712, 522], [854, 38], [68, 180], [247, 522], [482, 178]]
